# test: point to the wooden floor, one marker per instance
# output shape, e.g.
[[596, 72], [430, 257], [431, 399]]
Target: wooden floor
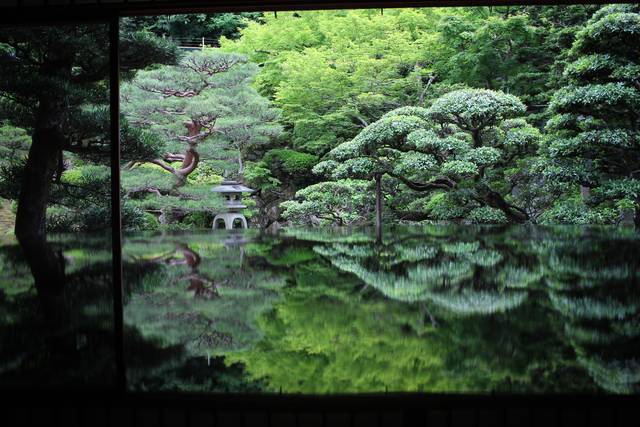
[[152, 417]]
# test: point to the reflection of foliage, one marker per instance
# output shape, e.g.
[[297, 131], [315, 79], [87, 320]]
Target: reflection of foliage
[[457, 275], [202, 296], [65, 339], [437, 308], [329, 334], [593, 285]]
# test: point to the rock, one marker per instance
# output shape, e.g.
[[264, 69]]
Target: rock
[[627, 217], [274, 227]]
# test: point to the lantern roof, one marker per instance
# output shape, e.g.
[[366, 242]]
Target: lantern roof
[[231, 187]]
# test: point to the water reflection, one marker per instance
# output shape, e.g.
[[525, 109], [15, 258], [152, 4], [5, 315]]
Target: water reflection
[[434, 308], [196, 302], [57, 333]]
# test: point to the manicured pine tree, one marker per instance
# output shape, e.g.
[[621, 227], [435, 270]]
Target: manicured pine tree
[[203, 109], [594, 131], [461, 144]]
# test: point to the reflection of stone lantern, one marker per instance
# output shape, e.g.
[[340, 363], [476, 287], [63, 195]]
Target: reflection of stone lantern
[[233, 218]]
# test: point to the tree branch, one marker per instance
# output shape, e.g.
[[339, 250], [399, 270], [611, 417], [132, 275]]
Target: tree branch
[[164, 165]]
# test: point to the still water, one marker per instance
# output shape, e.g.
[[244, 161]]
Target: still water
[[452, 309]]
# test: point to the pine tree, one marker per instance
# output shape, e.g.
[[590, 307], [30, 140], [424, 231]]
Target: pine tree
[[461, 145], [595, 131], [204, 110], [53, 86]]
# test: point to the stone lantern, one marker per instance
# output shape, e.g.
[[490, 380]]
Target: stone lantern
[[233, 217]]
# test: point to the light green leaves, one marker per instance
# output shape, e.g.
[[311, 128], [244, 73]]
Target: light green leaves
[[342, 202], [475, 109], [483, 156], [460, 168]]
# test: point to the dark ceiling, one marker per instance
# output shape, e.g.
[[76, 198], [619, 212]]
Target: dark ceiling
[[25, 11]]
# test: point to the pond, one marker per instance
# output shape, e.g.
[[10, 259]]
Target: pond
[[452, 309]]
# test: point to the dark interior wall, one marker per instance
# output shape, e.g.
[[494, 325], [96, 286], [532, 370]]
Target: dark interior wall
[[14, 11]]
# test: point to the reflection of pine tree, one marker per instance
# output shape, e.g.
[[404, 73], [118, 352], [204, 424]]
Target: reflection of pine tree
[[456, 274], [203, 295], [593, 283], [326, 335]]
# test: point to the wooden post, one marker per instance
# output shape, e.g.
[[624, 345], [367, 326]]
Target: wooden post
[[116, 215]]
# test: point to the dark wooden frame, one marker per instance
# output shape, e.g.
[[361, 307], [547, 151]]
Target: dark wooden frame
[[81, 10]]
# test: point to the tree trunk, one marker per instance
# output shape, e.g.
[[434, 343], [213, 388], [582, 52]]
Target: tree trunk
[[240, 168], [475, 135], [628, 217], [45, 152], [191, 155], [585, 193], [46, 266], [496, 201], [378, 178]]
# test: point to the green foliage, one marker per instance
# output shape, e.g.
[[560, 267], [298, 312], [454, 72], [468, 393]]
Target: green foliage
[[194, 26], [461, 144], [573, 211], [284, 161], [342, 202], [56, 83], [487, 215], [594, 136], [443, 206], [475, 109], [259, 176], [14, 143], [435, 100], [136, 40], [208, 118], [520, 50]]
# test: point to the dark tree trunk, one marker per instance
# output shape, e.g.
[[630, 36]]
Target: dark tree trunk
[[378, 178], [496, 201], [475, 135], [46, 265], [40, 169], [585, 193]]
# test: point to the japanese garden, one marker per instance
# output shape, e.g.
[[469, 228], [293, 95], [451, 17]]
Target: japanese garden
[[422, 200]]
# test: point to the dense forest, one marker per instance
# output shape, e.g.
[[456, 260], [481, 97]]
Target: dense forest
[[468, 115]]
